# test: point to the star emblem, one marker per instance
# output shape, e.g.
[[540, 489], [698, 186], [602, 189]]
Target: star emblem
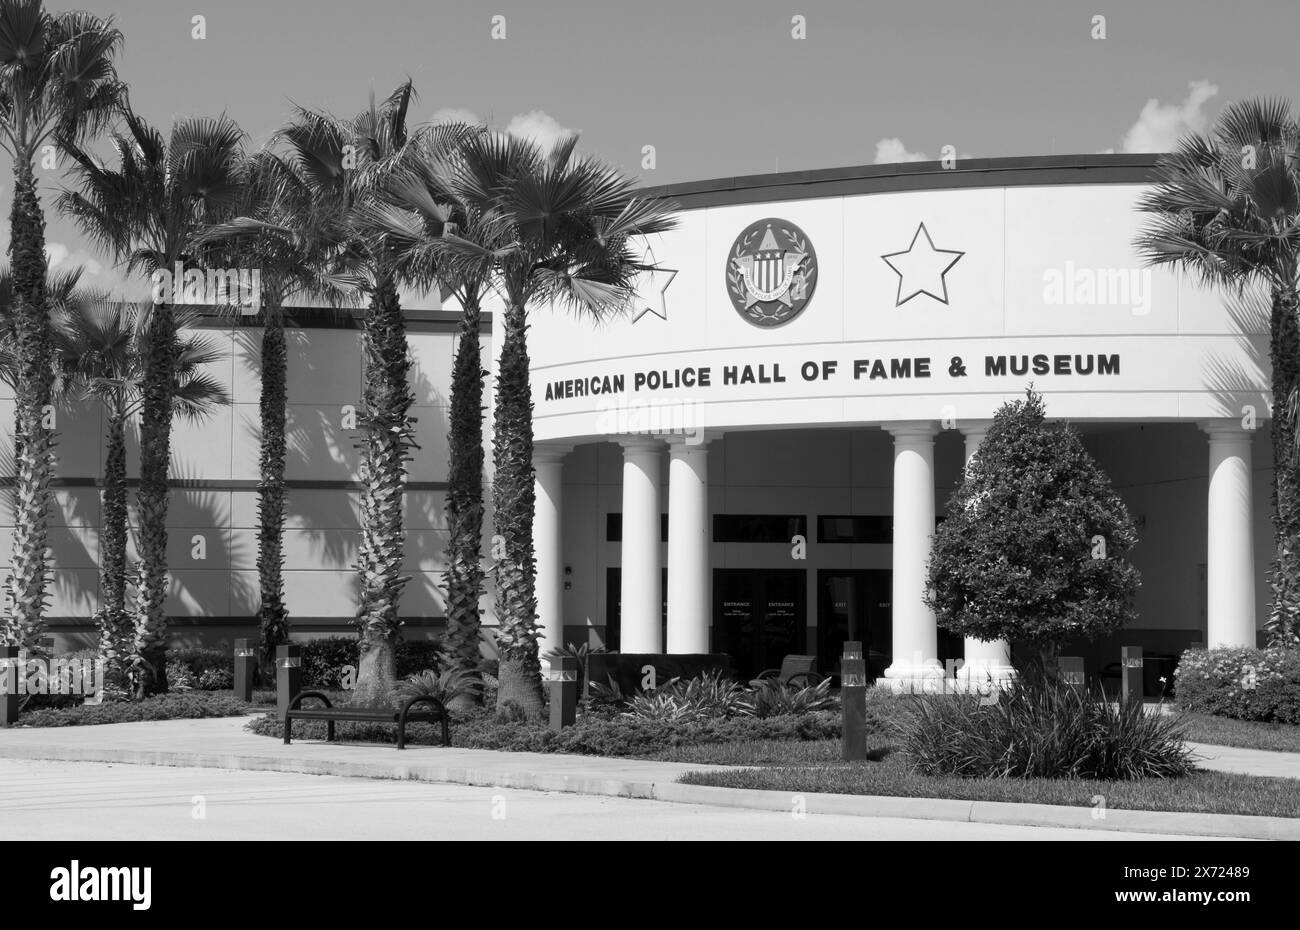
[[921, 268], [653, 283]]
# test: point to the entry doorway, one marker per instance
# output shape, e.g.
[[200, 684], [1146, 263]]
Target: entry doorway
[[854, 604], [759, 616]]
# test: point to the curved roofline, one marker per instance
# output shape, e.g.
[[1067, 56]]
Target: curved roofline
[[910, 176]]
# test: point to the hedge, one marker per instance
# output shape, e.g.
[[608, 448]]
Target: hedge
[[591, 735], [184, 705], [1243, 683]]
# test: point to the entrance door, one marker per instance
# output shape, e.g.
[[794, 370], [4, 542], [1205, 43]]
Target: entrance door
[[854, 605], [758, 616]]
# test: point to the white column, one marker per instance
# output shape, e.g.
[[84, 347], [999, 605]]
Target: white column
[[688, 546], [1230, 558], [916, 647], [642, 599], [986, 660], [548, 548]]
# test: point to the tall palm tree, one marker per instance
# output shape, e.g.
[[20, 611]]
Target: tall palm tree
[[58, 85], [560, 230], [300, 243], [350, 160], [102, 348], [412, 211], [147, 212], [1227, 208]]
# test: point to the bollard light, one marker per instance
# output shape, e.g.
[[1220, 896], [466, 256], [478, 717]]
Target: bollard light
[[245, 669], [288, 675], [1131, 672], [563, 683], [853, 702]]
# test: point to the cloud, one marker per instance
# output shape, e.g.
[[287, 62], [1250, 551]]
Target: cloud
[[57, 254], [1159, 127], [541, 127], [892, 151], [455, 115]]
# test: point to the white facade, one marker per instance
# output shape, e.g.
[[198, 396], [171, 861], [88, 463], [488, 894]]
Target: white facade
[[932, 306]]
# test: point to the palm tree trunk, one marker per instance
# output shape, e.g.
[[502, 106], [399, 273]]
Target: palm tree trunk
[[465, 502], [148, 665], [33, 441], [513, 494], [1284, 349], [115, 628], [386, 443], [273, 616]]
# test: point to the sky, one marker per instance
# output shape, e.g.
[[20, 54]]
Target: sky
[[717, 87]]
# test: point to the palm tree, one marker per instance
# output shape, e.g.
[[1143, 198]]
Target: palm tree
[[57, 86], [300, 243], [412, 211], [102, 348], [1227, 208], [349, 161], [147, 212], [559, 230]]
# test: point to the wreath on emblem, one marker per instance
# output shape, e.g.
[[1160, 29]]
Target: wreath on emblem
[[736, 280]]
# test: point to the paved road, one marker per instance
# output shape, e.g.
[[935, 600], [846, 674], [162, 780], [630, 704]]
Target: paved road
[[98, 801]]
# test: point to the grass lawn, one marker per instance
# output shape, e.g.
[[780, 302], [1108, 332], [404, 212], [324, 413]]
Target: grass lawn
[[813, 767], [1244, 734]]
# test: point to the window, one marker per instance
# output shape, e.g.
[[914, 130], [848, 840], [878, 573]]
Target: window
[[855, 529], [614, 527], [758, 528]]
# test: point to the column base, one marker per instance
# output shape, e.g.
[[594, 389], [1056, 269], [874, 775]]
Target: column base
[[995, 672], [924, 677]]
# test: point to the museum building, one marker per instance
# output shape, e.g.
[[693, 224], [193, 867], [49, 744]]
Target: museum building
[[753, 461]]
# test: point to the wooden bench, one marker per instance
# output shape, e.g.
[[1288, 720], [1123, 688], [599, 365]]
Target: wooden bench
[[400, 716]]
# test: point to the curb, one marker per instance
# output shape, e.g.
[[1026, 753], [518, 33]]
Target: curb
[[990, 812]]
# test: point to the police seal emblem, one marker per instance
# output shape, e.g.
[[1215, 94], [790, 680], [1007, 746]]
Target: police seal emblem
[[771, 272]]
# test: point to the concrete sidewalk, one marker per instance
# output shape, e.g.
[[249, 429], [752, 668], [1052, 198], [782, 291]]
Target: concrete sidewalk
[[224, 743]]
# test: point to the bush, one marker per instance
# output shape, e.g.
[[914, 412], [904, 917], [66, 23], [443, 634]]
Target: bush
[[186, 705], [1035, 542], [1246, 684], [324, 659], [416, 656], [706, 695], [200, 668], [772, 698], [443, 687], [1043, 728]]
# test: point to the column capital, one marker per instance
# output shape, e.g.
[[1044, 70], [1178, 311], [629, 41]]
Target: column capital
[[973, 427], [912, 430], [550, 452], [633, 445], [679, 444], [1226, 429]]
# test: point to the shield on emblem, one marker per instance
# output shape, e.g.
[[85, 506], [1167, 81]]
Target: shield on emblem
[[771, 272]]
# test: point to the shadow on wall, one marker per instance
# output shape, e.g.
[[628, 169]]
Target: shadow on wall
[[321, 447], [1236, 387]]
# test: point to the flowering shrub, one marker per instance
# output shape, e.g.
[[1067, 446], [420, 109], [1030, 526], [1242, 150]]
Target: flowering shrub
[[1248, 684]]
